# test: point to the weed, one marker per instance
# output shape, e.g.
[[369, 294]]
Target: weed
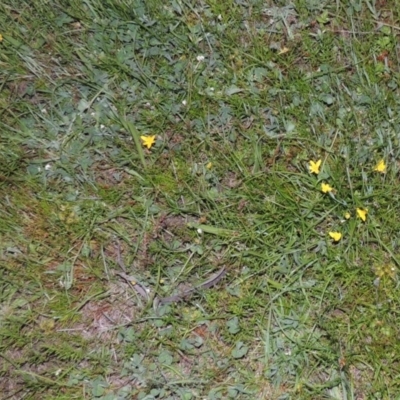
[[166, 142]]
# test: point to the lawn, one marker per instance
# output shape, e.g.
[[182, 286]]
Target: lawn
[[199, 199]]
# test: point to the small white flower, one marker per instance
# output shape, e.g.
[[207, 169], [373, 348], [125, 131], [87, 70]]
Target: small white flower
[[43, 111], [47, 167], [199, 231], [219, 17], [184, 102], [200, 58], [102, 126], [93, 114]]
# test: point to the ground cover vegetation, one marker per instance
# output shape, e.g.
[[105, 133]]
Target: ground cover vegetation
[[199, 199]]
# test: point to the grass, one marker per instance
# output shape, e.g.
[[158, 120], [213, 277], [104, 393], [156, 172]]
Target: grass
[[240, 96]]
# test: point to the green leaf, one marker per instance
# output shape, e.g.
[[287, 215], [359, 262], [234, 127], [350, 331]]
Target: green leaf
[[98, 387], [233, 325], [240, 350], [165, 357], [323, 18], [232, 90]]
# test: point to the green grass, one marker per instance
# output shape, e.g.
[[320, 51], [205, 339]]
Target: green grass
[[240, 96]]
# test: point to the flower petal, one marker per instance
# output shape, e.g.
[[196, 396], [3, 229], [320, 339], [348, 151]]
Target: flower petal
[[362, 213], [325, 187], [381, 166], [148, 141], [336, 236], [314, 166]]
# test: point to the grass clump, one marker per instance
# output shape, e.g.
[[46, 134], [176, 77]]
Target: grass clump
[[147, 146]]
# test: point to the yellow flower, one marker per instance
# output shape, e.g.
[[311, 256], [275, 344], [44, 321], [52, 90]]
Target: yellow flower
[[336, 236], [325, 187], [381, 166], [362, 213], [148, 141], [1, 37], [347, 215], [314, 166], [209, 165]]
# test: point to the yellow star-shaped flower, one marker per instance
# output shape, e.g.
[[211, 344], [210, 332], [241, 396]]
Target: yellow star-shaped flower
[[381, 166], [326, 188], [314, 166], [362, 213], [336, 236], [148, 141], [347, 215]]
